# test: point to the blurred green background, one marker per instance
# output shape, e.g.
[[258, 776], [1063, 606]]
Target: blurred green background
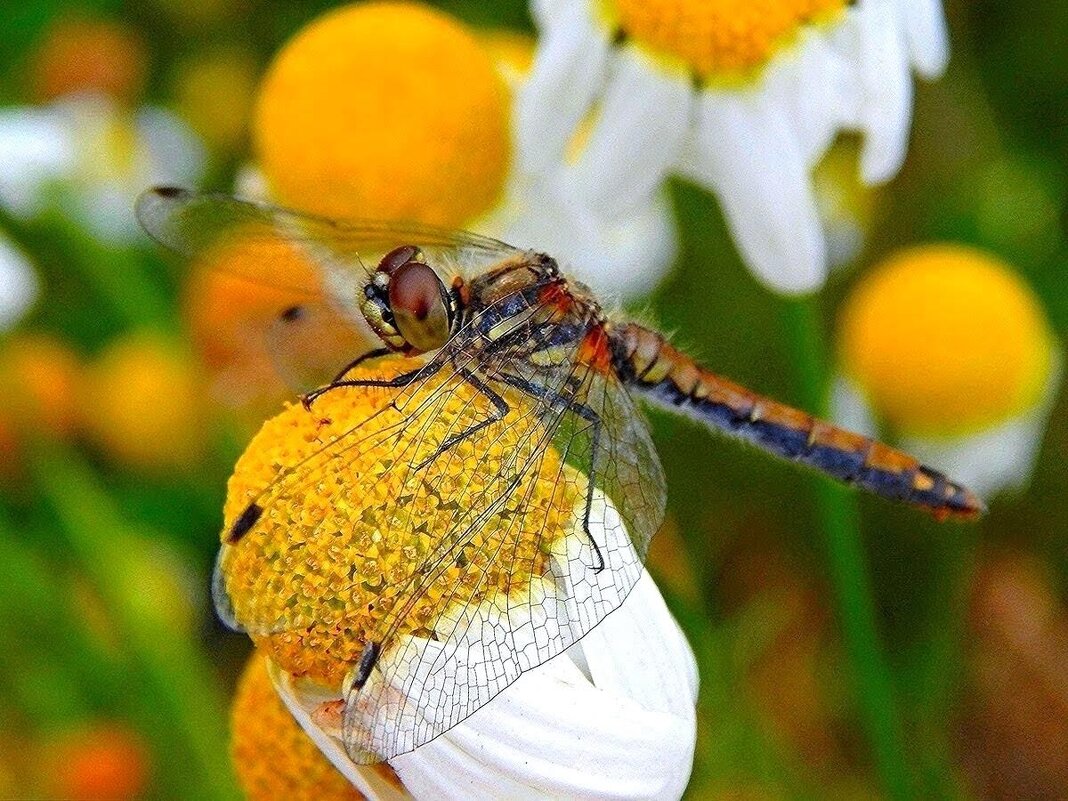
[[114, 456]]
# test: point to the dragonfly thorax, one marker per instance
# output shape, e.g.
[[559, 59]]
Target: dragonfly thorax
[[407, 304]]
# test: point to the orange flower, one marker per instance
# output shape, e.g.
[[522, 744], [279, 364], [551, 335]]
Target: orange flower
[[107, 762], [80, 55]]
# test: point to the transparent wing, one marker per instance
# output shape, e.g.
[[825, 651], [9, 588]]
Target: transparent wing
[[545, 559], [276, 260], [475, 518], [340, 252]]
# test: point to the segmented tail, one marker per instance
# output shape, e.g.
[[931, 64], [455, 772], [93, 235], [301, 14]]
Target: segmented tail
[[667, 377]]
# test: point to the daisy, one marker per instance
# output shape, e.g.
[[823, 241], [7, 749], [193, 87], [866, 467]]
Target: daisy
[[950, 350], [613, 717], [97, 155], [743, 98], [610, 717]]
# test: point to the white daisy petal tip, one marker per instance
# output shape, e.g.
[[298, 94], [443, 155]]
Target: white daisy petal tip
[[19, 285]]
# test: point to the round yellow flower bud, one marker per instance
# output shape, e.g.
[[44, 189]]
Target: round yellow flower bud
[[273, 757], [38, 377], [312, 598], [717, 37], [946, 340], [142, 402], [384, 110]]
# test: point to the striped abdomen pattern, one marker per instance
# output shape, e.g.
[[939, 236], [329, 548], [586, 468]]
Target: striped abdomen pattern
[[655, 370]]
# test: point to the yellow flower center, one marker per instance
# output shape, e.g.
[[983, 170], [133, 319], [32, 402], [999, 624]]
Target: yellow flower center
[[330, 559], [946, 340], [716, 37], [135, 426], [273, 757], [385, 110]]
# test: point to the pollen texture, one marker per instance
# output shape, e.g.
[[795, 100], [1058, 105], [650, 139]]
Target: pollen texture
[[384, 111], [716, 38], [273, 757], [946, 340], [377, 524]]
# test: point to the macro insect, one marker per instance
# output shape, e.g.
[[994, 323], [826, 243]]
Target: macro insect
[[497, 342]]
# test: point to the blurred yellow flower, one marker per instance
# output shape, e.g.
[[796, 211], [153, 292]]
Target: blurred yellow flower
[[229, 318], [84, 55], [272, 756], [384, 110], [39, 375], [142, 402], [945, 340], [214, 92], [107, 762], [330, 594]]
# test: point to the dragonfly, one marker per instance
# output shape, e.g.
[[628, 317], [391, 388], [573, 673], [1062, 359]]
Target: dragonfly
[[526, 343]]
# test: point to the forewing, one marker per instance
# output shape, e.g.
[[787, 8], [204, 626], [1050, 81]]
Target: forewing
[[498, 572], [298, 276], [563, 579], [341, 252]]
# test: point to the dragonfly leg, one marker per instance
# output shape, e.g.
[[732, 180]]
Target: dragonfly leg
[[498, 402], [371, 354], [402, 380], [558, 399]]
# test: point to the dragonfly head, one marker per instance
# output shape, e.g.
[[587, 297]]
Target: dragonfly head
[[407, 304]]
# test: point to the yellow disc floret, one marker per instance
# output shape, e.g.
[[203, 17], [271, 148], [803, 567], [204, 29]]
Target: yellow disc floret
[[273, 757], [946, 340], [716, 38], [374, 531], [384, 110]]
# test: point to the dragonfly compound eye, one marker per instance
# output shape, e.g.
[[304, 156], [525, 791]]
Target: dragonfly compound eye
[[420, 306], [397, 258]]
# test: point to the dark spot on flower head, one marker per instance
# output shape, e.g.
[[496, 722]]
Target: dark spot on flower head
[[244, 523]]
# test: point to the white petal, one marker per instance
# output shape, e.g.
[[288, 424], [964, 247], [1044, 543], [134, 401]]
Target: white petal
[[568, 71], [37, 148], [623, 257], [545, 11], [624, 731], [553, 734], [850, 410], [928, 38], [640, 124], [885, 89], [1000, 458], [301, 702], [744, 149], [18, 284], [177, 155], [812, 82]]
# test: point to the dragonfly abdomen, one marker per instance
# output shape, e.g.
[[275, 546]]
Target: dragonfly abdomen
[[664, 375]]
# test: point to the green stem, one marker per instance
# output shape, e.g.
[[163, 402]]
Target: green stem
[[837, 513], [190, 711]]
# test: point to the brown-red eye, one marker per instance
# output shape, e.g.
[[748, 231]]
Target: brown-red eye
[[397, 257], [418, 301]]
